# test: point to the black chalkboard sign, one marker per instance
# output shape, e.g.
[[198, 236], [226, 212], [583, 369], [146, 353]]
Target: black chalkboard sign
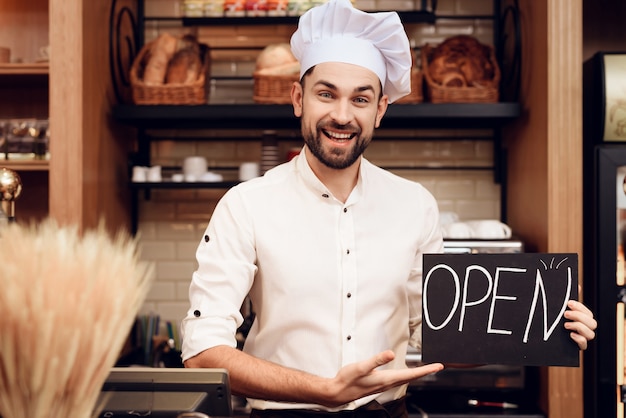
[[498, 309]]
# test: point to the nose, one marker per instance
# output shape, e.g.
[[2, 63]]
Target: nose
[[342, 112]]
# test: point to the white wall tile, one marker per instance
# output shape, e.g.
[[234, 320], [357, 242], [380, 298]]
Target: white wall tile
[[175, 270], [161, 290], [186, 250], [157, 250]]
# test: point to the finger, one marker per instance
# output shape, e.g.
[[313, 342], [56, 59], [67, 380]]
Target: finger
[[427, 369], [584, 318], [579, 306], [580, 340], [581, 329], [384, 357], [397, 377]]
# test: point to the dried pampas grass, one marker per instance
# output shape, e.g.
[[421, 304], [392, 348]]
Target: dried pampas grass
[[67, 303]]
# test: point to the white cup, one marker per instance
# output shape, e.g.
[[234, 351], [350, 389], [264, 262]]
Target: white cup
[[154, 174], [194, 167], [456, 230], [140, 174], [249, 170], [489, 229]]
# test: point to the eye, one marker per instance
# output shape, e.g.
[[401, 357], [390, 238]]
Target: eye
[[325, 95], [363, 100]]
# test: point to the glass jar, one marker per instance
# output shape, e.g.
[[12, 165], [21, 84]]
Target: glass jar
[[234, 8], [214, 8], [193, 8], [255, 8], [277, 7], [298, 7]]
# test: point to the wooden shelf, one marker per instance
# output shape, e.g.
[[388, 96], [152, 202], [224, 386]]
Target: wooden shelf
[[26, 165], [38, 68], [21, 76]]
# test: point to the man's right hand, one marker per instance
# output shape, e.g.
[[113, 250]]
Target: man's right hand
[[360, 379], [260, 379]]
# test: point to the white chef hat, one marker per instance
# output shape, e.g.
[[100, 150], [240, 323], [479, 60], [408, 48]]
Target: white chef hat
[[337, 32]]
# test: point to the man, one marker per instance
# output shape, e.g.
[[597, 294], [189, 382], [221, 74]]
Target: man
[[328, 246]]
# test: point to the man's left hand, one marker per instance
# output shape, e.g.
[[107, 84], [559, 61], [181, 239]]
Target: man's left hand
[[581, 323]]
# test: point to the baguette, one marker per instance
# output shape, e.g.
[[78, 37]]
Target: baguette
[[162, 50]]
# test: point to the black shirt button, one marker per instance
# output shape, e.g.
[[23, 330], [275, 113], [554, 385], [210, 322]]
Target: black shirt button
[[349, 295], [347, 251], [345, 210], [196, 313], [206, 238], [325, 195], [349, 337]]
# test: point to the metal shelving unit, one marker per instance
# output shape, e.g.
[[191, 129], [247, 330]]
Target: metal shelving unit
[[263, 116]]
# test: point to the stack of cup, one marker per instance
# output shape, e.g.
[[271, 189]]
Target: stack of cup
[[269, 151]]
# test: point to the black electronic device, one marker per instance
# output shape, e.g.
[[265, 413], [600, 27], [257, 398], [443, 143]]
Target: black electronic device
[[165, 393]]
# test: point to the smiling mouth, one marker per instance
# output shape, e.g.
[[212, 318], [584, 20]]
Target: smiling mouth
[[338, 137]]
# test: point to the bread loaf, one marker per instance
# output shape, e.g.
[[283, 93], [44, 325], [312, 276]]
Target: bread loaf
[[184, 67], [461, 61], [186, 64], [275, 55], [285, 69], [162, 50]]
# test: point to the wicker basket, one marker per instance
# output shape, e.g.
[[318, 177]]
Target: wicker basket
[[178, 94], [442, 94], [273, 89], [417, 89]]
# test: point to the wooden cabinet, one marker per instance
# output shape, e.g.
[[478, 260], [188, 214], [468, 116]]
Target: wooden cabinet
[[24, 93], [85, 179]]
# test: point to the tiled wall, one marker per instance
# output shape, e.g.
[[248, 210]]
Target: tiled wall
[[455, 165]]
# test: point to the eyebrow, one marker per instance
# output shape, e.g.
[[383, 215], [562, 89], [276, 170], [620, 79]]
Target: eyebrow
[[360, 89]]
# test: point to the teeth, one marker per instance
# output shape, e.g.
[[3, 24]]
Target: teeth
[[339, 136]]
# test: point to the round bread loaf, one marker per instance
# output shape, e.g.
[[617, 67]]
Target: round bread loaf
[[275, 55], [463, 56]]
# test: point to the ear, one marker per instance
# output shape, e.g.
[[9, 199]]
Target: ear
[[383, 103], [296, 98]]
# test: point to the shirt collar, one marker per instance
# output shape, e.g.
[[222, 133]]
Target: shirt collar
[[311, 180]]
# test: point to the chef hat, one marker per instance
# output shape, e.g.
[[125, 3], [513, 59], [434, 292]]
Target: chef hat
[[337, 32]]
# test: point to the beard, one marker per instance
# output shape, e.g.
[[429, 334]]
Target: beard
[[336, 157]]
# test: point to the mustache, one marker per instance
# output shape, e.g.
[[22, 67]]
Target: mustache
[[340, 127]]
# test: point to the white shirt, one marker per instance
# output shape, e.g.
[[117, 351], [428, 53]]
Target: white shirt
[[331, 283]]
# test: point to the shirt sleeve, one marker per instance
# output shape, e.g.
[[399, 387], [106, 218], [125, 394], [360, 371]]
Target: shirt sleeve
[[432, 242], [225, 273]]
